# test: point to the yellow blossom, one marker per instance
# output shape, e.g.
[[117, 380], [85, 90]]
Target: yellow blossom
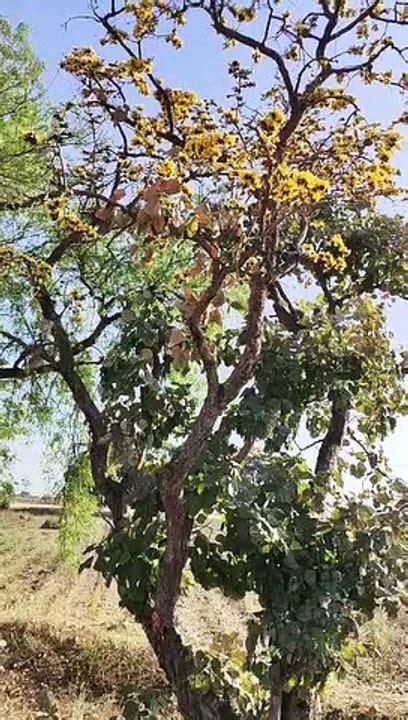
[[167, 168]]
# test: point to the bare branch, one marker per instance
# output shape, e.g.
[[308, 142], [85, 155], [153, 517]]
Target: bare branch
[[96, 333], [249, 41]]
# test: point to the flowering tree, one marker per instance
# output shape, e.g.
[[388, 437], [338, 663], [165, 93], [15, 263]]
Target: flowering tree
[[160, 294]]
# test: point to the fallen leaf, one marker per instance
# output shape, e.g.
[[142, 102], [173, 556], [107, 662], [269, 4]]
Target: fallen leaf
[[203, 216]]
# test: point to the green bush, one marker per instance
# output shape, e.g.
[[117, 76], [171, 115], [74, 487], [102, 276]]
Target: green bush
[[6, 494]]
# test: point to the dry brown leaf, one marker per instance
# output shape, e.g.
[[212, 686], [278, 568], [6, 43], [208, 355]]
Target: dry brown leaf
[[203, 216], [215, 317], [176, 337], [169, 187], [157, 223], [189, 296], [118, 195], [196, 269], [148, 256], [181, 356], [104, 214], [143, 219]]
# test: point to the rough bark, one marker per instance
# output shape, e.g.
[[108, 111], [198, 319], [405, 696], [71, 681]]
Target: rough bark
[[295, 707], [177, 662], [330, 447], [161, 631]]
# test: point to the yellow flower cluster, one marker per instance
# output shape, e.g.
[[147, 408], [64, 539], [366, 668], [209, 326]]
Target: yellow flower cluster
[[248, 178], [80, 171], [389, 143], [146, 20], [298, 185], [378, 177], [167, 168], [230, 115], [131, 171], [174, 40], [55, 207], [182, 103], [208, 146], [242, 13], [83, 61], [145, 134], [70, 222], [272, 121], [134, 66], [36, 270], [332, 259], [293, 53]]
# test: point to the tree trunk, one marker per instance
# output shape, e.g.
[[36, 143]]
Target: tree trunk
[[295, 707], [275, 707], [177, 661]]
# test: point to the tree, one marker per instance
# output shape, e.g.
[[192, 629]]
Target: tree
[[6, 484], [23, 117], [164, 297]]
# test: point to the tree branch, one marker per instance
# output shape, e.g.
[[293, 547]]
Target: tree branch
[[232, 34], [94, 417], [330, 447], [96, 333]]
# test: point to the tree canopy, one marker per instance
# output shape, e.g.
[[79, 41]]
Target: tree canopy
[[22, 117], [201, 285]]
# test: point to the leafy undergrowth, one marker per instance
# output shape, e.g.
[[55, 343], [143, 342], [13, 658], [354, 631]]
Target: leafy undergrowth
[[68, 652]]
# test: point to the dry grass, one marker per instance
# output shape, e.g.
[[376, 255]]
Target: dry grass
[[375, 685], [65, 636], [68, 652]]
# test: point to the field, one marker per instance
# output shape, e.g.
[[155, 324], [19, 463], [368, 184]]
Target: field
[[68, 652]]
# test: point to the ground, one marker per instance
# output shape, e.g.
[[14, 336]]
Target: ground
[[68, 652]]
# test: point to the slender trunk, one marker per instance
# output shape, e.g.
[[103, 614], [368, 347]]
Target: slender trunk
[[295, 707], [330, 447], [275, 707], [289, 706], [177, 661]]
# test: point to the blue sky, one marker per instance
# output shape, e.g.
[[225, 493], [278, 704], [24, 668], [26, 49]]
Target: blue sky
[[57, 25]]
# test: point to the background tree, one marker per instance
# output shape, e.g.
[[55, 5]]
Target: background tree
[[23, 117], [163, 300]]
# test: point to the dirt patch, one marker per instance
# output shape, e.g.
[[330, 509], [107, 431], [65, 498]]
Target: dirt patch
[[43, 656], [61, 676]]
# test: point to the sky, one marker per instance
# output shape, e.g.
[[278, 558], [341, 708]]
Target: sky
[[58, 25]]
